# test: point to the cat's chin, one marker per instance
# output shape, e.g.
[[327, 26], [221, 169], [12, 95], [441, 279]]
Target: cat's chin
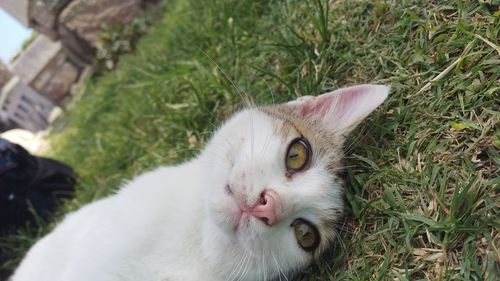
[[240, 223], [248, 233], [241, 226], [248, 224]]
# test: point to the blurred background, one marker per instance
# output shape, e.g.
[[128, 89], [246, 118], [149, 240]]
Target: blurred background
[[46, 49]]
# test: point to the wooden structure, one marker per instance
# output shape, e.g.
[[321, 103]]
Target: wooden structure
[[23, 107], [46, 68], [45, 71]]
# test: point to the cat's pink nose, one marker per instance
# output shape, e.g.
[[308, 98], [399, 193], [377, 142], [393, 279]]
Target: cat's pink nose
[[267, 208]]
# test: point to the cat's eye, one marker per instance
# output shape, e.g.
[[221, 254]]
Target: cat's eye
[[307, 234], [297, 155]]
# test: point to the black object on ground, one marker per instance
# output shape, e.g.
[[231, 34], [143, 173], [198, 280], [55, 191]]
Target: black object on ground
[[30, 184], [30, 188]]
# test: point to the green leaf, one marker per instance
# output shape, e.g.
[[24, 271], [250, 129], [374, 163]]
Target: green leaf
[[459, 126]]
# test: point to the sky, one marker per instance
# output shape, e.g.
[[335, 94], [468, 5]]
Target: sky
[[12, 35]]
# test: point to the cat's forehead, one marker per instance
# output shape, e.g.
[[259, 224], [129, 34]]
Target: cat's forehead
[[286, 123]]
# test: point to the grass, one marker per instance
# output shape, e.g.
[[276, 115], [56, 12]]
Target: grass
[[423, 184]]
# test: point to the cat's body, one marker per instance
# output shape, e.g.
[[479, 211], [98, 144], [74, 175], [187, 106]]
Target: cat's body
[[127, 240], [260, 201]]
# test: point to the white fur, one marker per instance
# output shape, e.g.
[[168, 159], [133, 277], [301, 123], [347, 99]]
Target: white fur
[[178, 223]]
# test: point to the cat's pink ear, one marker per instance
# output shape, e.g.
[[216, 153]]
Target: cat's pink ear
[[344, 108]]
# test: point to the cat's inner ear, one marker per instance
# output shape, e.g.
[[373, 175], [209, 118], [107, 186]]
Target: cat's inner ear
[[344, 108]]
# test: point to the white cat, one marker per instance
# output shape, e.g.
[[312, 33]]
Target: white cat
[[259, 202]]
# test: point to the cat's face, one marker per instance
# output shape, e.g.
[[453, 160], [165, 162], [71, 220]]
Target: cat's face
[[273, 195]]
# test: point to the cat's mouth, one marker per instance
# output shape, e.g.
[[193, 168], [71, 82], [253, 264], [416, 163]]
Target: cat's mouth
[[243, 222]]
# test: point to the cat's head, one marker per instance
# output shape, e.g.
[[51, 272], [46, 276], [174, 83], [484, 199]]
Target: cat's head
[[273, 195]]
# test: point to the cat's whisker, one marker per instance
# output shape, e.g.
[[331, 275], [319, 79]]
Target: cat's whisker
[[284, 273], [216, 153], [346, 167], [345, 228], [339, 238], [248, 262], [247, 266], [266, 144], [236, 269], [357, 140], [238, 257], [221, 147], [270, 90], [350, 147], [252, 140], [346, 232], [237, 272], [228, 142], [264, 248], [186, 149], [280, 271], [264, 264], [277, 265], [214, 126], [263, 267], [243, 95], [342, 168]]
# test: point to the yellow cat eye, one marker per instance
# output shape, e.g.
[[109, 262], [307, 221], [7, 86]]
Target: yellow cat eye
[[306, 234], [297, 155]]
